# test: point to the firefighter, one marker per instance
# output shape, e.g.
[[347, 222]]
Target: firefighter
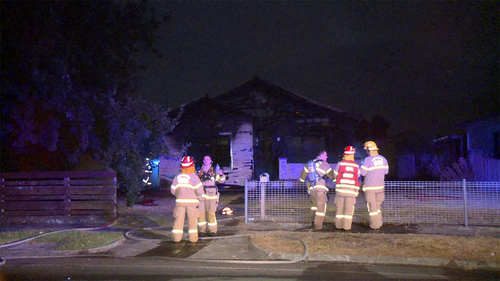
[[210, 198], [346, 188], [186, 187], [374, 169], [317, 189]]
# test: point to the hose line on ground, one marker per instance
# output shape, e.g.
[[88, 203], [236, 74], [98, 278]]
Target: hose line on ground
[[59, 231]]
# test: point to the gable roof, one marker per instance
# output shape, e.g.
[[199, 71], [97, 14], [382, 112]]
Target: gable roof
[[260, 94], [258, 83], [494, 117], [278, 98]]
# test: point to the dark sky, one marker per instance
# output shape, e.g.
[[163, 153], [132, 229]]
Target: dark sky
[[424, 66]]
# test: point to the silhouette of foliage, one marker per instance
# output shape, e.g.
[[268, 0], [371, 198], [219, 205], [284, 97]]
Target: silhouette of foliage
[[67, 70]]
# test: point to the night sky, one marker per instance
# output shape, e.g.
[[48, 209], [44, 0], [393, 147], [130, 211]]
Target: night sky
[[423, 66]]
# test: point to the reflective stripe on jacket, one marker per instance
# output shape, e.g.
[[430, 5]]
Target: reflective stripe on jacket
[[186, 188], [373, 170]]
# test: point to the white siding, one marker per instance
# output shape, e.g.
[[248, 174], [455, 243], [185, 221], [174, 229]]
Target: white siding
[[170, 164], [242, 156]]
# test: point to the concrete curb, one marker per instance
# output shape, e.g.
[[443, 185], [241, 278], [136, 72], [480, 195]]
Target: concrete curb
[[406, 261]]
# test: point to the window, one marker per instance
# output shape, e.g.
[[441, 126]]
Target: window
[[217, 147]]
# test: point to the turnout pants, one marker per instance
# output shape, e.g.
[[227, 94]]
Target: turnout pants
[[208, 208], [180, 212], [345, 211], [373, 201], [319, 199]]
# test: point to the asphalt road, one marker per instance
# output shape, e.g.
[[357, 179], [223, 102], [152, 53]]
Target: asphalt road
[[92, 268]]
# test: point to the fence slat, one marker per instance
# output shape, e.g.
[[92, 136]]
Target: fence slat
[[32, 190], [39, 213], [32, 206], [91, 190], [93, 197], [59, 175], [17, 183], [91, 205]]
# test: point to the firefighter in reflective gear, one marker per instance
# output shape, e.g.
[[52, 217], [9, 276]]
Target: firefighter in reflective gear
[[318, 190], [186, 187], [374, 169], [346, 189], [210, 198]]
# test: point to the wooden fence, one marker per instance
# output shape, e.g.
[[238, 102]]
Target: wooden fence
[[485, 169], [81, 198]]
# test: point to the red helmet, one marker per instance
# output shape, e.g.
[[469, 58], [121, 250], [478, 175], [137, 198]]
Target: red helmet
[[187, 162], [350, 150]]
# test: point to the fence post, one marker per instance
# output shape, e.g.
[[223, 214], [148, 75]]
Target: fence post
[[2, 187], [67, 208], [246, 201], [262, 200], [264, 179], [464, 188]]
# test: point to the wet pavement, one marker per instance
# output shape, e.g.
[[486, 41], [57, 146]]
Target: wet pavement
[[182, 249]]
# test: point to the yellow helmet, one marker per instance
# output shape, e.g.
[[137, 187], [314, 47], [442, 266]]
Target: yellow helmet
[[371, 145]]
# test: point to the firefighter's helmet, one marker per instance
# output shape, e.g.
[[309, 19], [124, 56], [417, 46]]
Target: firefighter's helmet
[[371, 145], [227, 211], [187, 162], [350, 150]]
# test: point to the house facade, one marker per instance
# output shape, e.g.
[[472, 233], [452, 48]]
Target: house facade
[[482, 143], [483, 136], [248, 129], [479, 145]]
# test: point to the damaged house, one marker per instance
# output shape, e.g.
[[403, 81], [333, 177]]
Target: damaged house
[[248, 129]]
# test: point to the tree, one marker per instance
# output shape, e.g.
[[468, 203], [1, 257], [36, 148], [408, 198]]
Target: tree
[[125, 133], [66, 73], [56, 134]]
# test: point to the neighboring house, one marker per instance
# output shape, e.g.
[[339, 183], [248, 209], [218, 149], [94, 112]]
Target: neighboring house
[[480, 137], [483, 136], [480, 145], [248, 129], [449, 149]]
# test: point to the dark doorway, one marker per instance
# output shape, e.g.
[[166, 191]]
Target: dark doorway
[[217, 147]]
